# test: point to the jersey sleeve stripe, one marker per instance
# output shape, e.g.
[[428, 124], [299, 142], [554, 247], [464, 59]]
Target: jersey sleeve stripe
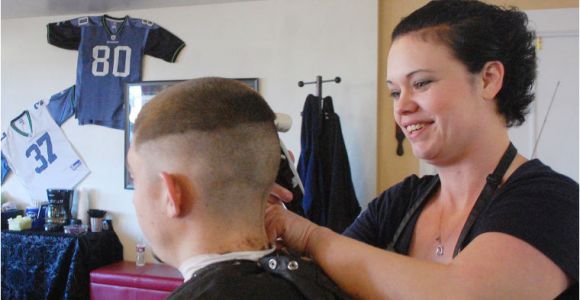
[[176, 53]]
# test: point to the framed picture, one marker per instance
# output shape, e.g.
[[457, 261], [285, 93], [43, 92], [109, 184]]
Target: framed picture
[[137, 94]]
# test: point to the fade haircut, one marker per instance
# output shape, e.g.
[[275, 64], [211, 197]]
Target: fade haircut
[[222, 127], [477, 33]]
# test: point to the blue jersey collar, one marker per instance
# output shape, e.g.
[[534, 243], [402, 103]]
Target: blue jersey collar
[[120, 27]]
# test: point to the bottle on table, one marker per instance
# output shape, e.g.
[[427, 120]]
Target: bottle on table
[[140, 249]]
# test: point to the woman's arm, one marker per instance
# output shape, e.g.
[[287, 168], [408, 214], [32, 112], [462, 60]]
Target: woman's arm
[[494, 265]]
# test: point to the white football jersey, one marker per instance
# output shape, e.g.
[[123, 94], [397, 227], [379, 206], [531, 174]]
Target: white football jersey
[[39, 153]]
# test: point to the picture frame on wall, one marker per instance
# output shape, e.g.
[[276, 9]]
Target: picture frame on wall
[[137, 94]]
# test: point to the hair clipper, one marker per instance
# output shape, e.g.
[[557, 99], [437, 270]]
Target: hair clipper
[[287, 175]]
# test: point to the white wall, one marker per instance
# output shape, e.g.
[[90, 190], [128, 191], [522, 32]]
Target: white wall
[[280, 42], [557, 143]]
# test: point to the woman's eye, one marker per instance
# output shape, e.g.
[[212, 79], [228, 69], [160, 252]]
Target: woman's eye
[[421, 84], [395, 94]]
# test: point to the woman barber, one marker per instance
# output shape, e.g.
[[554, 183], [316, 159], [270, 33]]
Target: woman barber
[[491, 224]]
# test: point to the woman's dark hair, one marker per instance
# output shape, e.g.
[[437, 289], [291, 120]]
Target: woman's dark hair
[[478, 33]]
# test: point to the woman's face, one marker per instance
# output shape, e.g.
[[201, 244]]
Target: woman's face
[[435, 98]]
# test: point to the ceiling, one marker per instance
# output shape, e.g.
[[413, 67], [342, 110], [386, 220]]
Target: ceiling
[[37, 8]]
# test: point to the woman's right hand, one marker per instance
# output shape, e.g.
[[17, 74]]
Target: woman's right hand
[[293, 229], [279, 195]]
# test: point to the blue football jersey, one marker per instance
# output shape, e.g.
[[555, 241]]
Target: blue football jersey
[[5, 166], [110, 54], [60, 105]]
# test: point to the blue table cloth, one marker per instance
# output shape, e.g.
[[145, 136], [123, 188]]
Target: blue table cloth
[[46, 265]]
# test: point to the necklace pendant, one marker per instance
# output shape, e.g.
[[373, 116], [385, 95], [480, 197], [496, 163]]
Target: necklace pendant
[[439, 250]]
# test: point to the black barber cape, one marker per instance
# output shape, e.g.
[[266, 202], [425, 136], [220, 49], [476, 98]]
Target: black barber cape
[[329, 197], [278, 275]]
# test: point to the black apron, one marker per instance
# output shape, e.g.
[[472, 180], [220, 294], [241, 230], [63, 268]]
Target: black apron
[[483, 201]]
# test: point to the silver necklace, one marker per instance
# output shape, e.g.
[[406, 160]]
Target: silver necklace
[[439, 247], [439, 241]]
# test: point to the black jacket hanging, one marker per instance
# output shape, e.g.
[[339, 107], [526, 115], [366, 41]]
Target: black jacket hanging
[[308, 163], [324, 168]]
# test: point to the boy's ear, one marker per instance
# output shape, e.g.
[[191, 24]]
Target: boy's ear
[[173, 195], [492, 76]]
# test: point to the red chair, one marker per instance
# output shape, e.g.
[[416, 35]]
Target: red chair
[[124, 280]]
